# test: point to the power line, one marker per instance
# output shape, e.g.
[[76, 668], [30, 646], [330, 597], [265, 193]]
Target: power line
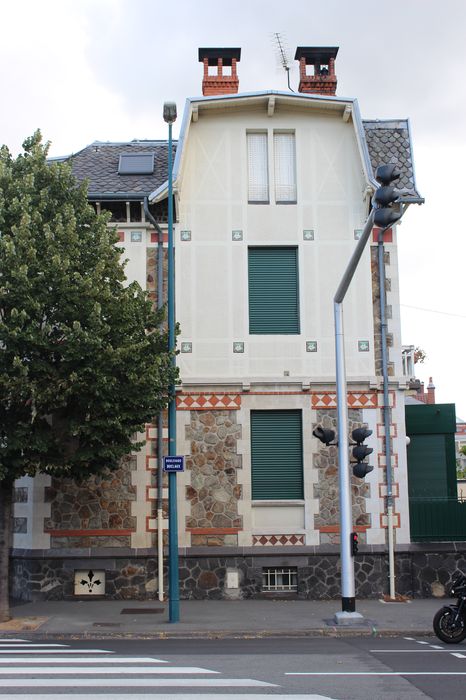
[[432, 311]]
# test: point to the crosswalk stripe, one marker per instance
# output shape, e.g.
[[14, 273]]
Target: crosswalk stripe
[[35, 646], [75, 670], [53, 651], [81, 660], [8, 639], [133, 682], [170, 696]]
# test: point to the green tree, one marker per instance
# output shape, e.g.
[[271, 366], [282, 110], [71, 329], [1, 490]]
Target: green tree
[[83, 361]]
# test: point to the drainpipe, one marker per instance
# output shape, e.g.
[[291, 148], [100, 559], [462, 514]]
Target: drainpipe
[[386, 414], [160, 416], [386, 411]]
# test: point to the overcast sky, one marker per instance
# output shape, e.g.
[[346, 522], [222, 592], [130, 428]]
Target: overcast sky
[[85, 70]]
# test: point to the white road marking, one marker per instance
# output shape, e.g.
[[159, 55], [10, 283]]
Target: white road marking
[[422, 642], [53, 651], [35, 646], [133, 682], [81, 660], [376, 673], [458, 655], [75, 670], [7, 639], [408, 651], [436, 646], [410, 639], [171, 696]]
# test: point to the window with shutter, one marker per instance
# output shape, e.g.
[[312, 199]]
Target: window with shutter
[[277, 455], [284, 167], [258, 168], [273, 290]]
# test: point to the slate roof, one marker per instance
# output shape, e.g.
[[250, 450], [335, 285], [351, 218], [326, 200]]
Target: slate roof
[[388, 141], [98, 163]]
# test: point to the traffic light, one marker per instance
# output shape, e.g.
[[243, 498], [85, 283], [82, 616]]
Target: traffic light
[[354, 543], [360, 452], [325, 435], [386, 195]]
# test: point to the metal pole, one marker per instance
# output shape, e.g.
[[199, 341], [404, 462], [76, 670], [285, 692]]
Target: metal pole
[[348, 599], [173, 572]]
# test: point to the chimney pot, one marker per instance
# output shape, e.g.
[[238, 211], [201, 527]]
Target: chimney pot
[[220, 84], [323, 81]]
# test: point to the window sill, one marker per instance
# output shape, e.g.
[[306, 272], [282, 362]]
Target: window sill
[[279, 503]]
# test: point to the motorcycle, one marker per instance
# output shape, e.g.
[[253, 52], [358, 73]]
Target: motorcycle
[[450, 621]]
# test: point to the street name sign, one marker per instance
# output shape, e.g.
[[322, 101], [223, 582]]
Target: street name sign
[[173, 463]]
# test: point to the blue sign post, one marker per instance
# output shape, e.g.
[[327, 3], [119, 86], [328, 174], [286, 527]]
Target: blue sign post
[[173, 463]]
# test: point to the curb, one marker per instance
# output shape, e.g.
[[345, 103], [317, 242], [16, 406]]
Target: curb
[[229, 634]]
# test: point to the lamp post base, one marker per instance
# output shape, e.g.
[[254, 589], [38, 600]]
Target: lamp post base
[[348, 618]]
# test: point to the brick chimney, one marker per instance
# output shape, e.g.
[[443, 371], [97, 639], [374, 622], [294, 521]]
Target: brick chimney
[[319, 78], [430, 392], [224, 81]]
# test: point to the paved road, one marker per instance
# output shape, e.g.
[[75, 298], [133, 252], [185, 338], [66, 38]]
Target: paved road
[[232, 669]]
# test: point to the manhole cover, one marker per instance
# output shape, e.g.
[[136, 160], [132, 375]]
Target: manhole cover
[[106, 624], [141, 611]]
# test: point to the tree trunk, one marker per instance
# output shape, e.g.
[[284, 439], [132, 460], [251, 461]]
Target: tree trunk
[[6, 492]]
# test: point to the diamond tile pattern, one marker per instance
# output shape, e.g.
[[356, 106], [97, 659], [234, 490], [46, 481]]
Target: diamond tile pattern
[[355, 400], [205, 402], [277, 540], [388, 142]]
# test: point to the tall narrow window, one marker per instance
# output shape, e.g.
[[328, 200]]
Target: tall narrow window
[[276, 455], [273, 290], [258, 168], [284, 167]]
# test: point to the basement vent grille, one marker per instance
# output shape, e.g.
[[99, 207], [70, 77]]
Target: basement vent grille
[[275, 578]]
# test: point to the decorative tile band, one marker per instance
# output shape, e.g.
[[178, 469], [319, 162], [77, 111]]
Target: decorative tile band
[[355, 400], [89, 533], [277, 540], [206, 402]]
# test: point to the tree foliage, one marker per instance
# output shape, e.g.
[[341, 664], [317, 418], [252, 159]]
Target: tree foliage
[[83, 362]]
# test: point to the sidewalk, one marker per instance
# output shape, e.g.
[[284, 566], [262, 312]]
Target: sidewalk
[[211, 619]]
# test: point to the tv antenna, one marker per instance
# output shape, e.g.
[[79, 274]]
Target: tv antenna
[[282, 55]]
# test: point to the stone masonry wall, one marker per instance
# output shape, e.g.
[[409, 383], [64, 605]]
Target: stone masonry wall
[[214, 492], [99, 503], [326, 489], [421, 571]]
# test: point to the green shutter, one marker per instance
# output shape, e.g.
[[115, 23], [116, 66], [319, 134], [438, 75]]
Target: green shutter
[[276, 455], [273, 290]]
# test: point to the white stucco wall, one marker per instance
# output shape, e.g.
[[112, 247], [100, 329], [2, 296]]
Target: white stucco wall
[[211, 268]]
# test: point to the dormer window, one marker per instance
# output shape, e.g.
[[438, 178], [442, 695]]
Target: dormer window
[[136, 164]]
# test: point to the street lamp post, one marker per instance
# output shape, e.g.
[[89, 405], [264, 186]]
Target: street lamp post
[[169, 115]]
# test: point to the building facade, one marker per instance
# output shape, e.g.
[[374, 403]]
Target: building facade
[[272, 190]]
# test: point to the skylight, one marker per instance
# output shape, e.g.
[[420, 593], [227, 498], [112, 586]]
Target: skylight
[[136, 164]]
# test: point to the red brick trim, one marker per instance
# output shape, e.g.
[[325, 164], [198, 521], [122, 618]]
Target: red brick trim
[[381, 459], [387, 236], [154, 237], [88, 533], [213, 530], [336, 528]]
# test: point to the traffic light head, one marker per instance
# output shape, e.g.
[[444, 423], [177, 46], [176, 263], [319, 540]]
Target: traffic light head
[[354, 539], [385, 174], [362, 469], [360, 452], [360, 434], [386, 195], [325, 435]]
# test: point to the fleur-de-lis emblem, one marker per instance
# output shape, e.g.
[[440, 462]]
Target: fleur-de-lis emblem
[[89, 582]]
